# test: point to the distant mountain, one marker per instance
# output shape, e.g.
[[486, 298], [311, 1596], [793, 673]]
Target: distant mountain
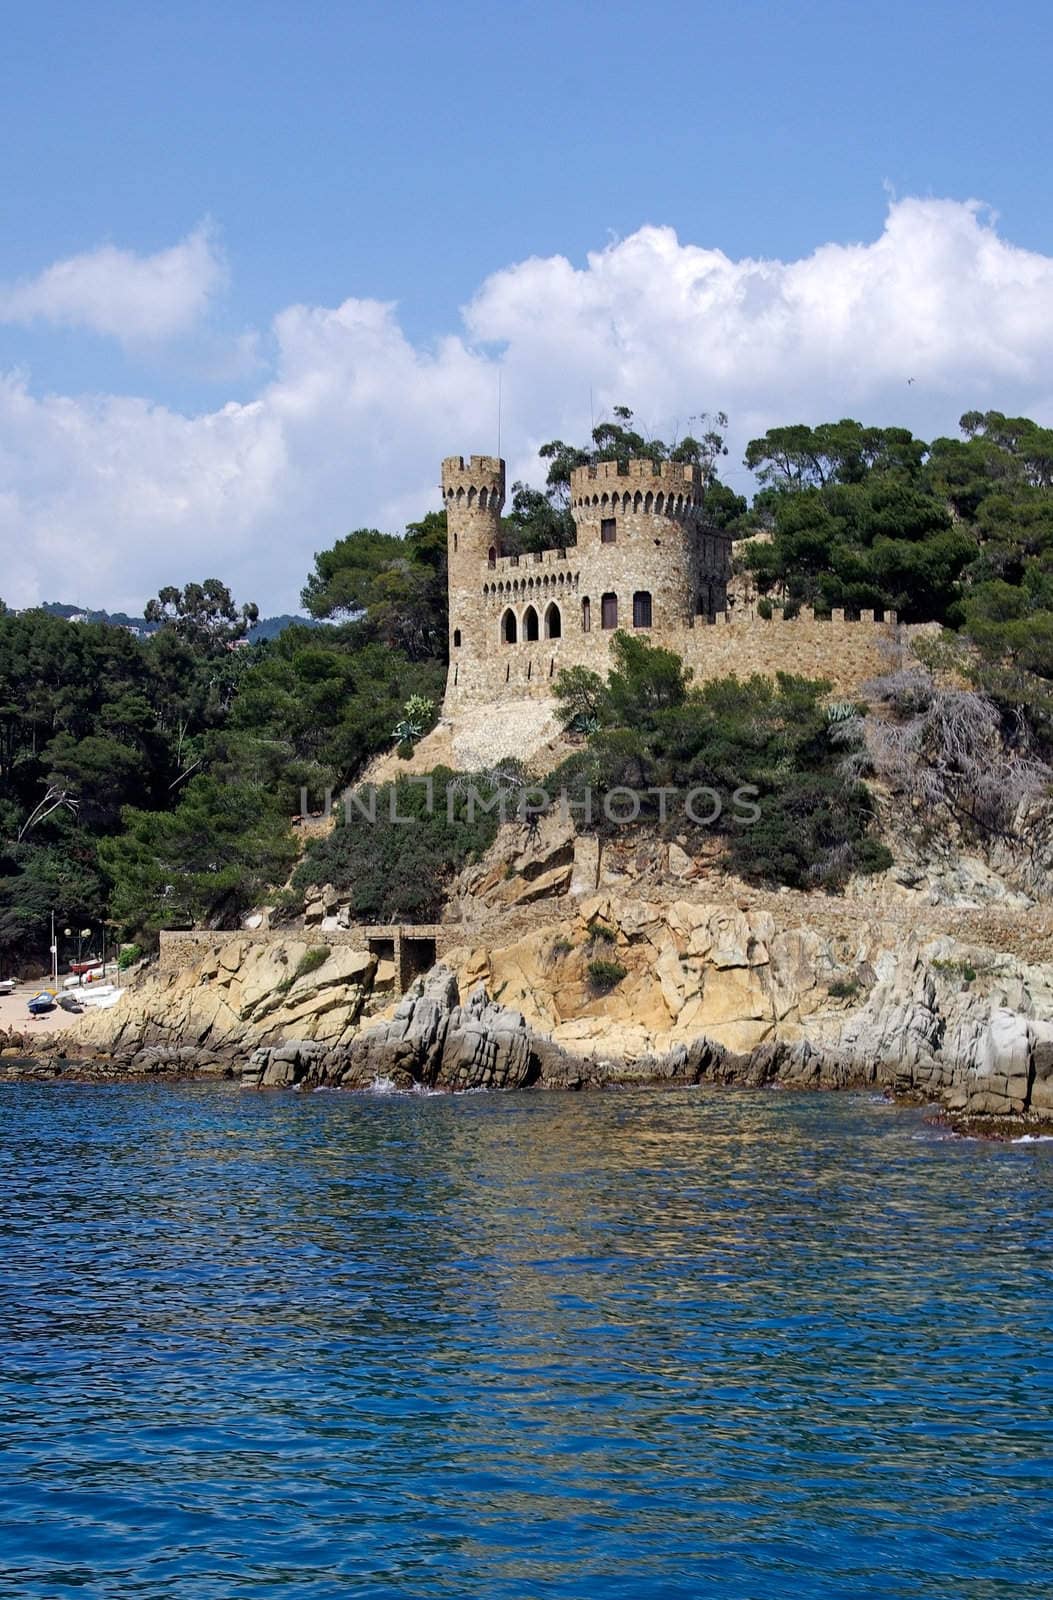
[[118, 619], [270, 627], [265, 628]]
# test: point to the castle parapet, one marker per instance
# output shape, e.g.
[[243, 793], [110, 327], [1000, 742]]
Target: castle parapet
[[481, 482], [678, 477], [806, 615], [530, 558]]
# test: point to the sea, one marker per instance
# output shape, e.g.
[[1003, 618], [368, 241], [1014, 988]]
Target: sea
[[652, 1345]]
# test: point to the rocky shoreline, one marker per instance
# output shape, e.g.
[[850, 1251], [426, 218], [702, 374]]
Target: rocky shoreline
[[432, 1041]]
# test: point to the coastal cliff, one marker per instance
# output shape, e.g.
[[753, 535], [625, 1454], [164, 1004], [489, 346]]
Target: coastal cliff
[[606, 990]]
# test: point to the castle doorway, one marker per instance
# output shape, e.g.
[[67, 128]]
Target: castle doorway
[[553, 622], [509, 631], [531, 626], [609, 611]]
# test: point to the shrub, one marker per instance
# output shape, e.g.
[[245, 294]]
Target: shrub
[[393, 858], [605, 976], [956, 969], [559, 948], [600, 933], [130, 954], [843, 988], [309, 962]]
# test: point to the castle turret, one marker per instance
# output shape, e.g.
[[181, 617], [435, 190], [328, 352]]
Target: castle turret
[[473, 495], [641, 532]]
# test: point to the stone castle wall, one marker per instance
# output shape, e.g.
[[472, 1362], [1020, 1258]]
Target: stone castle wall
[[844, 653], [646, 561]]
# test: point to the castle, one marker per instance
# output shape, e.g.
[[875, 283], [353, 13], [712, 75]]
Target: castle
[[645, 560]]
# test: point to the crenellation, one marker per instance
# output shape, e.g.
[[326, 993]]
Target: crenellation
[[644, 561]]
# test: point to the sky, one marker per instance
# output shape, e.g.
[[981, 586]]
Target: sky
[[262, 265]]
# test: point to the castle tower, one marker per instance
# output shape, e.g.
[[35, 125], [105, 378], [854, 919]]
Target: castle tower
[[473, 495], [642, 541]]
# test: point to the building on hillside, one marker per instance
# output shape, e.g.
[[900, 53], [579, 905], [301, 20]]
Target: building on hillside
[[645, 560]]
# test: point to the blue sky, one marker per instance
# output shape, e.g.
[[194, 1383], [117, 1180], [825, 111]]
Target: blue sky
[[407, 153]]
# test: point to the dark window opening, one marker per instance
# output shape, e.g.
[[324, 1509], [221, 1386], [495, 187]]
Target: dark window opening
[[509, 631], [553, 622], [641, 609], [531, 628], [456, 638], [608, 530], [586, 615], [418, 956], [491, 558], [609, 611]]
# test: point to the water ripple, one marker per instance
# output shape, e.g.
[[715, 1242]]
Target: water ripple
[[651, 1345]]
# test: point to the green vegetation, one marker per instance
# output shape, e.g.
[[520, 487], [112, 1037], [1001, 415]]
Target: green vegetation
[[765, 754], [958, 969], [605, 975], [309, 962], [959, 531], [396, 847], [844, 988], [150, 782], [129, 955]]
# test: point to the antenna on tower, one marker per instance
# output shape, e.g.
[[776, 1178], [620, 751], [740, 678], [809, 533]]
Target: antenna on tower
[[499, 413]]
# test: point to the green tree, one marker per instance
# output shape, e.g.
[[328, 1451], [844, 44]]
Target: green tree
[[204, 614], [206, 861]]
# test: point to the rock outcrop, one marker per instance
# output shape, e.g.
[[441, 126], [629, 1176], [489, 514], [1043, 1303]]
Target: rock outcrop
[[430, 1041], [245, 995], [613, 991]]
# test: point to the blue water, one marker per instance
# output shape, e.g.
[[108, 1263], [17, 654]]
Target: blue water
[[643, 1345]]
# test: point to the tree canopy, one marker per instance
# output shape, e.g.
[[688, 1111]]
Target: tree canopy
[[149, 780]]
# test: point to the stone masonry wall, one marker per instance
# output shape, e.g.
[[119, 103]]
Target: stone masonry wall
[[180, 949], [845, 653], [516, 621]]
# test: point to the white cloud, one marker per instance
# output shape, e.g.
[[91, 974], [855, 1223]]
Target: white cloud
[[139, 300], [105, 499]]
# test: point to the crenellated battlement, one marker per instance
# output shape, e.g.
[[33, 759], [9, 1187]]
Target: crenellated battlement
[[479, 484], [646, 561], [530, 559], [667, 480]]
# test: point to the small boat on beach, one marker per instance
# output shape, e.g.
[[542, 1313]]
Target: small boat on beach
[[41, 1004]]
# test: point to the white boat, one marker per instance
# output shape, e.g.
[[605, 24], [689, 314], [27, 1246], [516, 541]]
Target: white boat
[[7, 985]]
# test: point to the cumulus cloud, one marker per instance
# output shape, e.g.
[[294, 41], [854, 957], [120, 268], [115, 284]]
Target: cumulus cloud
[[107, 498], [135, 299]]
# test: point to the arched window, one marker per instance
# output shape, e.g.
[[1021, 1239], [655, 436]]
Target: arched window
[[509, 631], [553, 622], [456, 638], [586, 615], [531, 629], [641, 609], [609, 611], [491, 558]]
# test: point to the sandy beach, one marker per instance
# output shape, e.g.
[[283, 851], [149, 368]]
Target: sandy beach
[[15, 1018]]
